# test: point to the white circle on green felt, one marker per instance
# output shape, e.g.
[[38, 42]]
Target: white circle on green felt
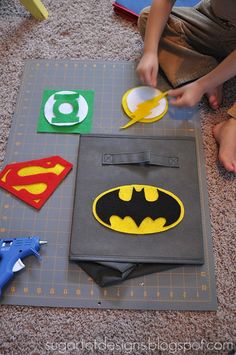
[[65, 108], [144, 93]]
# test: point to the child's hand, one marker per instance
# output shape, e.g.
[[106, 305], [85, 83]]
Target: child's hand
[[187, 95], [147, 69]]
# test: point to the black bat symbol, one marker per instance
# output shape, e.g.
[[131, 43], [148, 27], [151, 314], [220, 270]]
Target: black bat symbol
[[138, 208]]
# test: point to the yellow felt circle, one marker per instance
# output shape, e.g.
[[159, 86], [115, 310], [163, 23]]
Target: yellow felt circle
[[139, 94]]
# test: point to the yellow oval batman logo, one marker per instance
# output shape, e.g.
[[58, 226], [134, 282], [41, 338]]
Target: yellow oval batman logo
[[138, 209]]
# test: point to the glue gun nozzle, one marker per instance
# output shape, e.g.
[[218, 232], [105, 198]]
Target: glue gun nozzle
[[42, 242]]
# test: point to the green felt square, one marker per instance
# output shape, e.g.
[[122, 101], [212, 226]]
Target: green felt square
[[66, 111]]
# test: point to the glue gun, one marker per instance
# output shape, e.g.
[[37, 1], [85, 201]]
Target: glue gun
[[12, 251]]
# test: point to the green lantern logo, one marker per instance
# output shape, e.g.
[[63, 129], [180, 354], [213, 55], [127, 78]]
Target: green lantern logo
[[66, 108]]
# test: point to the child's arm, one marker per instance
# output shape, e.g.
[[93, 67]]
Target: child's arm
[[148, 66], [191, 94]]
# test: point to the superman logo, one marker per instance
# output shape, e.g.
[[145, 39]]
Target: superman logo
[[35, 180]]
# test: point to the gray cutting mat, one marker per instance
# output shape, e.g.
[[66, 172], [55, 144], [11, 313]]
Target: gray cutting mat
[[55, 281]]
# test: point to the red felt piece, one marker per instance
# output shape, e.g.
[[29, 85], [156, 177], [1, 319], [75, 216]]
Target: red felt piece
[[51, 179]]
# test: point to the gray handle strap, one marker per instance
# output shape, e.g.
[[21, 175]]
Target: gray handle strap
[[144, 158]]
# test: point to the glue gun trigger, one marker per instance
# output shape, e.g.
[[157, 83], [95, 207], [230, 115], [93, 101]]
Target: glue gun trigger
[[35, 253], [18, 266]]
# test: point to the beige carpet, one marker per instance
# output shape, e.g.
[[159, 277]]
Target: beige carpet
[[89, 29]]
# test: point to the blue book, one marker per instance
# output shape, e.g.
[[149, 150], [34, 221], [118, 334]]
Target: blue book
[[132, 8]]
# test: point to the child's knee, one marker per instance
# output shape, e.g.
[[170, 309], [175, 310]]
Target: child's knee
[[142, 20]]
